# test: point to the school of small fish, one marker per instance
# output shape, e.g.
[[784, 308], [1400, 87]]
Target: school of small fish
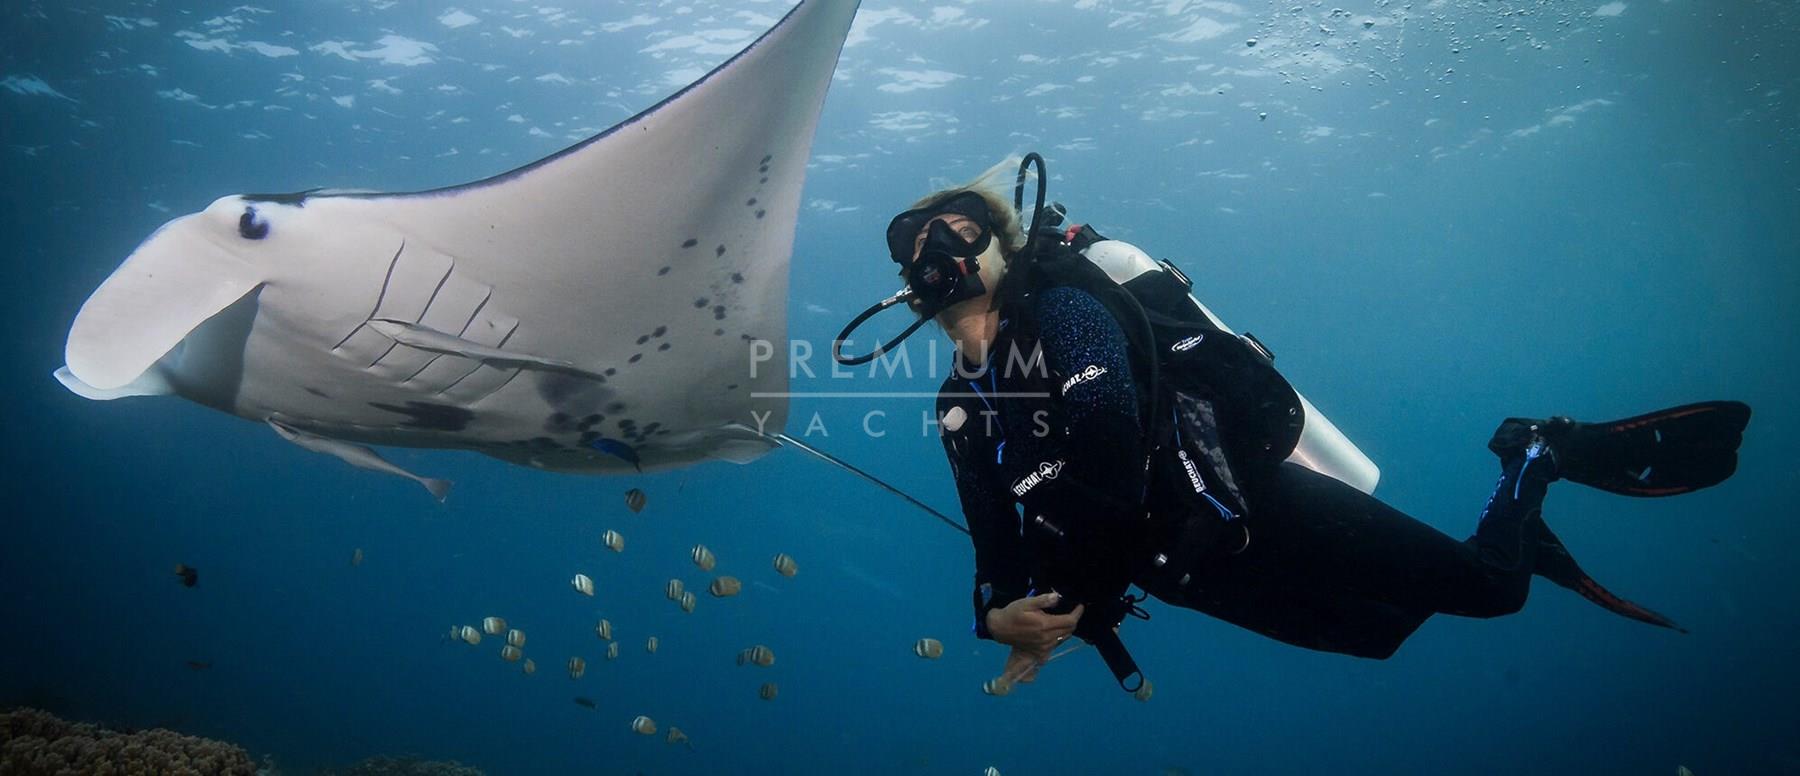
[[721, 586]]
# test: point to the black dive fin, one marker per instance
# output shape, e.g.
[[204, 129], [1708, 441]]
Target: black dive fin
[[1556, 564], [1663, 453]]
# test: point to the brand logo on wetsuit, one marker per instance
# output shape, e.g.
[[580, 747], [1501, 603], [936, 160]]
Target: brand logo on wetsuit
[[1045, 471], [1193, 472], [1187, 344], [1092, 371]]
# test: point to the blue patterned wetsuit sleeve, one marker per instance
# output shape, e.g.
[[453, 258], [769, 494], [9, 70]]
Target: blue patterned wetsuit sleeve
[[1001, 570], [1084, 347]]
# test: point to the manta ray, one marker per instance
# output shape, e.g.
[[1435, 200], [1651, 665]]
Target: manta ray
[[590, 312]]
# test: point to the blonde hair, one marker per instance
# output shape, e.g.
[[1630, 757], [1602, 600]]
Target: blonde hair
[[995, 187]]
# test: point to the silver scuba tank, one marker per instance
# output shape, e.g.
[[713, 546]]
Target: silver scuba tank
[[1322, 447]]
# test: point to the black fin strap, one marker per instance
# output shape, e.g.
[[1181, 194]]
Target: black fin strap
[[1118, 659]]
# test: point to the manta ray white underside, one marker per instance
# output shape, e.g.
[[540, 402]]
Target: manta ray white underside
[[590, 312]]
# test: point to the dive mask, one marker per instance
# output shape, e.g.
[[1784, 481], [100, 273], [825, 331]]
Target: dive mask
[[944, 271], [903, 233]]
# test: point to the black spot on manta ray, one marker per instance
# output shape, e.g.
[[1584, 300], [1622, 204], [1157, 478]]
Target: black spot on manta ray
[[718, 332], [610, 371], [560, 422], [737, 277], [761, 213], [437, 417], [751, 203], [701, 303], [765, 178], [574, 394], [664, 346], [663, 271], [660, 330], [635, 357], [643, 339], [317, 392], [766, 158], [719, 251], [690, 242], [616, 407], [250, 227], [718, 312]]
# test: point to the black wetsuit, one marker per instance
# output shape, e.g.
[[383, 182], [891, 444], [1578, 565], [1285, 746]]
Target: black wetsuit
[[1049, 466]]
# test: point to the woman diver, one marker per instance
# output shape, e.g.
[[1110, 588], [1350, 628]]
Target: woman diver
[[1099, 437]]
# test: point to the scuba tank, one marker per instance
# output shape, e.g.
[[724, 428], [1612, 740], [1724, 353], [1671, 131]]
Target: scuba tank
[[1322, 447]]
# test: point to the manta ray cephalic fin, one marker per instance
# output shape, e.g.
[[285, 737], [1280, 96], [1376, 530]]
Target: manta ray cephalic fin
[[150, 383], [169, 286]]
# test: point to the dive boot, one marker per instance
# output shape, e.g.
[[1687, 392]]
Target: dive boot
[[1663, 453]]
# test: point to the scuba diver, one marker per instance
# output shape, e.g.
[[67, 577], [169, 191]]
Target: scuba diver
[[1105, 430]]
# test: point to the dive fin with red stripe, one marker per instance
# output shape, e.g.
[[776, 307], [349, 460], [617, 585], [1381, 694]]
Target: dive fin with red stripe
[[1663, 453]]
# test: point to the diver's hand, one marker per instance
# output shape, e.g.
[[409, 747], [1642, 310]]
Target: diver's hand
[[1026, 627]]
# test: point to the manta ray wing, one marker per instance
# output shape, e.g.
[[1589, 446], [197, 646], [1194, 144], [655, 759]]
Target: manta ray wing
[[629, 290]]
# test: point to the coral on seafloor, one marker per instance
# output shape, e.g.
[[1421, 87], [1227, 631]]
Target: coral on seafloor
[[34, 743], [406, 766]]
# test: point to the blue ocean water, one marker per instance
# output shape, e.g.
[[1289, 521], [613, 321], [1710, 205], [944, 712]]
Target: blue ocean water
[[1437, 214]]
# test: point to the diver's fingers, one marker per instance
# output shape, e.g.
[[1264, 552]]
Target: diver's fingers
[[1038, 603], [1063, 622]]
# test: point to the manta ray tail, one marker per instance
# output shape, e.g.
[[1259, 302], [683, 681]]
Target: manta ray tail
[[789, 441]]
